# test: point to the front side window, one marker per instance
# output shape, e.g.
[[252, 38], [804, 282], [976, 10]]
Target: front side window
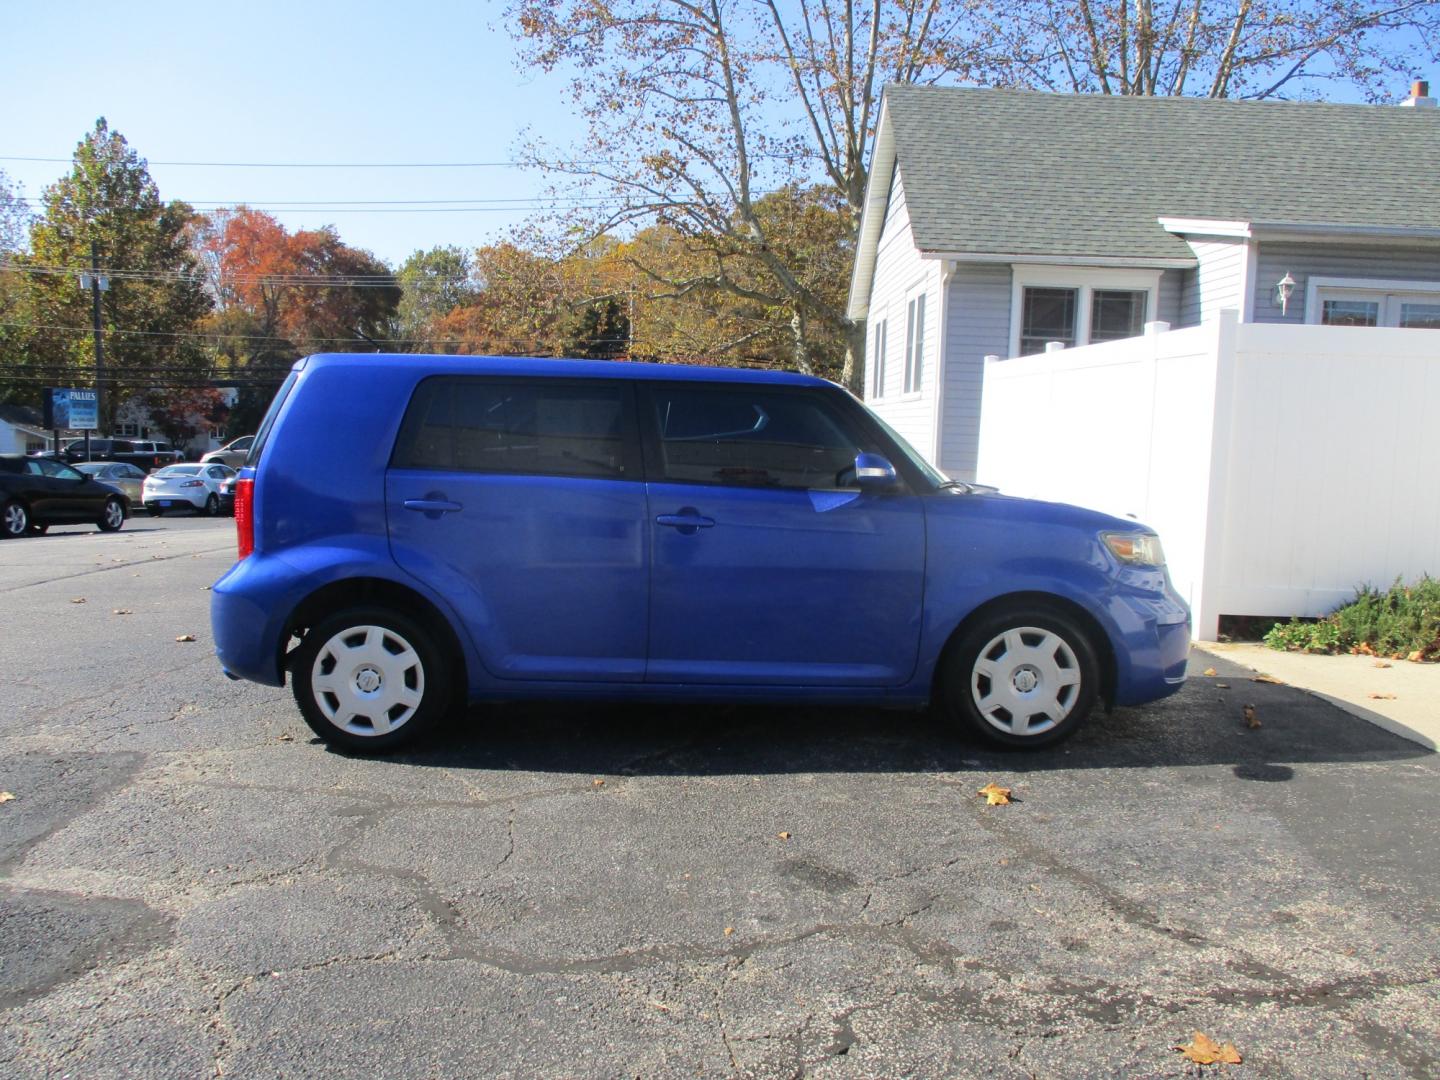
[[538, 427], [914, 343], [750, 437]]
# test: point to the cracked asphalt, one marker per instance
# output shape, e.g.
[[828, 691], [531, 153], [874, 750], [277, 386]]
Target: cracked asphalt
[[190, 887]]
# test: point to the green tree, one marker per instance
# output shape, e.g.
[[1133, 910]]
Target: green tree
[[110, 205], [432, 284]]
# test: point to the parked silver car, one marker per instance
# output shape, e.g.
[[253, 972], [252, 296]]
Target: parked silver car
[[232, 453], [120, 475]]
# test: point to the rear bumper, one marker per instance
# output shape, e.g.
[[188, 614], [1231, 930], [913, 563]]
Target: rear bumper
[[247, 607]]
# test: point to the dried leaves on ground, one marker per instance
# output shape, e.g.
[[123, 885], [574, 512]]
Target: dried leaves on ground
[[1204, 1050], [995, 795]]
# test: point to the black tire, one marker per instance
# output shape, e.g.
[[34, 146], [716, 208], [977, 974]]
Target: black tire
[[212, 506], [112, 517], [39, 530], [380, 670], [1028, 667], [14, 520]]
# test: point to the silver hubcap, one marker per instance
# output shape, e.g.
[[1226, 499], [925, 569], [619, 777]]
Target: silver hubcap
[[1025, 681], [15, 520], [114, 515], [367, 680]]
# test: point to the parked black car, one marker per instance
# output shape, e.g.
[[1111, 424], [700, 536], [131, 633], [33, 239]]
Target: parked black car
[[37, 492], [146, 454]]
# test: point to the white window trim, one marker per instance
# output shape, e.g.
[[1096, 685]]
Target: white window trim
[[1085, 279], [880, 342], [1373, 288], [912, 296]]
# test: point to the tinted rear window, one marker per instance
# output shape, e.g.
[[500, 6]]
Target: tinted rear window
[[543, 427]]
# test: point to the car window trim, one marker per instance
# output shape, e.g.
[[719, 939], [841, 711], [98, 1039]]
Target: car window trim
[[632, 456]]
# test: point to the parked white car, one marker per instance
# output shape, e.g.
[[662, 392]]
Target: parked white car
[[186, 487]]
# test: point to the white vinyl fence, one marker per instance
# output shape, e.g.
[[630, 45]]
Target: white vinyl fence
[[1283, 466]]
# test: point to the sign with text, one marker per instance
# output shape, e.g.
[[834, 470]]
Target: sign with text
[[74, 410]]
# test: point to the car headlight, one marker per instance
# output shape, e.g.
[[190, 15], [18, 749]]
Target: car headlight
[[1135, 549]]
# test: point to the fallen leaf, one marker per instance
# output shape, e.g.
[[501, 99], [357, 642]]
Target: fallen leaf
[[186, 637], [1416, 656], [1204, 1050], [1251, 721], [783, 835], [995, 795], [660, 1005], [1268, 679], [79, 600], [1383, 663], [1210, 671], [122, 611], [597, 783], [1382, 697], [5, 796], [729, 930], [285, 736], [1222, 685]]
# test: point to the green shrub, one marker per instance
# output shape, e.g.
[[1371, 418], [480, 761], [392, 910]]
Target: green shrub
[[1401, 622]]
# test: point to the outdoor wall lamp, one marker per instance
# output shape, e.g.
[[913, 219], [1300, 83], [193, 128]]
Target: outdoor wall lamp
[[1283, 288]]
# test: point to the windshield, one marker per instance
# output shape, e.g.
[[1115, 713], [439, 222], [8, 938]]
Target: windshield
[[179, 470]]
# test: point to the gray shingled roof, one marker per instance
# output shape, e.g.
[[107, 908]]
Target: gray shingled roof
[[1024, 173]]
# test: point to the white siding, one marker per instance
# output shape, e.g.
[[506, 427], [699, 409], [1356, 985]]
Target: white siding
[[1301, 261], [1217, 283], [900, 272], [979, 324]]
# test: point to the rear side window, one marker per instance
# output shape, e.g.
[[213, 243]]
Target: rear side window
[[541, 427], [752, 437], [263, 433]]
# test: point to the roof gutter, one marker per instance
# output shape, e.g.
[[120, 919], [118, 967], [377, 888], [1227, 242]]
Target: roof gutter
[[1300, 230], [1124, 261]]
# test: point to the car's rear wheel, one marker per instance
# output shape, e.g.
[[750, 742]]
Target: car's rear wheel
[[112, 517], [369, 679], [1022, 677], [14, 520], [212, 506]]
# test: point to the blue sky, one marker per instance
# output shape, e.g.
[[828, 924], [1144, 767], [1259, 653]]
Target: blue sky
[[303, 81]]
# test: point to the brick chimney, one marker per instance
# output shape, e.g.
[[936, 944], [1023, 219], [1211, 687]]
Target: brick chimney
[[1420, 95]]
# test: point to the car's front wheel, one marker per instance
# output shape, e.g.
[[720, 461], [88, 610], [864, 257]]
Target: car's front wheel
[[14, 520], [112, 517], [1022, 677], [369, 679]]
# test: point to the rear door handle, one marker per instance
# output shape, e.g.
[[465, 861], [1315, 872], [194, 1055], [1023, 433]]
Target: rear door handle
[[687, 520], [432, 508]]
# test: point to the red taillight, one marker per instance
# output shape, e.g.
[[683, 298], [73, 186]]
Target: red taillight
[[245, 516]]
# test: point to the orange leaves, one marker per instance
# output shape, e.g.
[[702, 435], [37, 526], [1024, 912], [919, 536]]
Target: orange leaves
[[995, 795], [1203, 1050]]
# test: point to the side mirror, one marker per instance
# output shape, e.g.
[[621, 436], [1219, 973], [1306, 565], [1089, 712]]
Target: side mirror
[[875, 473]]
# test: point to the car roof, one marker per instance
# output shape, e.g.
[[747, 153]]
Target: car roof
[[553, 368]]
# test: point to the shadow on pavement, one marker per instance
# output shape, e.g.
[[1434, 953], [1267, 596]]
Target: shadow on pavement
[[1202, 725]]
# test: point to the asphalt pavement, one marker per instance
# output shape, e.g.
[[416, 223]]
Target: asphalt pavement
[[190, 886]]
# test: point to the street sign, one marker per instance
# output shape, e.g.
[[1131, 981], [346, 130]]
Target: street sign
[[72, 410]]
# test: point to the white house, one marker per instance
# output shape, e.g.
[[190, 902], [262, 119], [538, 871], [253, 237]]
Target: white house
[[20, 430], [1007, 224]]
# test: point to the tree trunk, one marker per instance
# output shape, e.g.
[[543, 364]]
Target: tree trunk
[[801, 352], [852, 376]]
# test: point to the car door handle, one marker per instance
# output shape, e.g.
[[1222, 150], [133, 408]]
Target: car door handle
[[687, 520], [432, 508]]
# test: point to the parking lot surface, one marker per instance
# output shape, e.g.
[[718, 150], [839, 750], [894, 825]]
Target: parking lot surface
[[189, 886]]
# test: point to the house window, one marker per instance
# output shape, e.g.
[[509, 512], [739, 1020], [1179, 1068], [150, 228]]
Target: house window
[[914, 343], [1078, 305], [1411, 305], [879, 364], [1049, 315], [132, 430]]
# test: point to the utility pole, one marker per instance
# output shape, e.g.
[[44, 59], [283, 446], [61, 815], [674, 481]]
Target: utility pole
[[97, 283]]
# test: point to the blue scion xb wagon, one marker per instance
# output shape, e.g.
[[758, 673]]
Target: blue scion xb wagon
[[419, 531]]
